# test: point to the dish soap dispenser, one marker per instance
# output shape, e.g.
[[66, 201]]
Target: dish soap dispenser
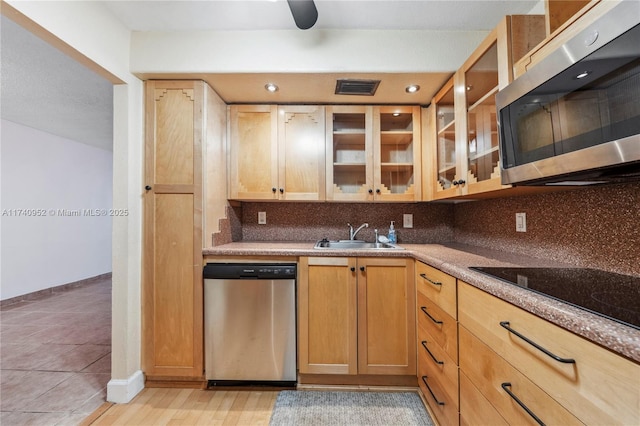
[[392, 234]]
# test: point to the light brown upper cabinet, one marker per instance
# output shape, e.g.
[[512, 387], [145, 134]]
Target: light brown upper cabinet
[[464, 150], [563, 20], [277, 152], [443, 119], [373, 153], [483, 73]]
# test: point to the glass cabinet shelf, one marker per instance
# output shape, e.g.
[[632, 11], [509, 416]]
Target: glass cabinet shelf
[[487, 100], [448, 130], [396, 137], [349, 166], [397, 166], [475, 156]]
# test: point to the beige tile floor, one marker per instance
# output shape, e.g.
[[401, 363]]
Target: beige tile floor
[[55, 356]]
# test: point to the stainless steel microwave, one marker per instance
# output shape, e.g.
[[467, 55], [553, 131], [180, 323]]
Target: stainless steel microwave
[[574, 118]]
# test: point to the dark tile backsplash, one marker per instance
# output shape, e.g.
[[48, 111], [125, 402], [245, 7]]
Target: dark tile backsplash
[[432, 223], [589, 227]]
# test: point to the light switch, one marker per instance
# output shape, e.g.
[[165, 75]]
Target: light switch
[[262, 218], [407, 221], [521, 222]]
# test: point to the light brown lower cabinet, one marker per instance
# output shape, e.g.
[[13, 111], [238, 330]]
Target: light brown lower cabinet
[[475, 408], [438, 342], [438, 379], [475, 368], [356, 316], [516, 398], [574, 382]]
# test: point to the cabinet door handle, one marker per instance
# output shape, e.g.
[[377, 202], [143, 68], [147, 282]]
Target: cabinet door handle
[[377, 191], [147, 188], [506, 387], [370, 191], [353, 269], [505, 324], [436, 283], [362, 268], [424, 309], [424, 344], [282, 190], [424, 379], [273, 190]]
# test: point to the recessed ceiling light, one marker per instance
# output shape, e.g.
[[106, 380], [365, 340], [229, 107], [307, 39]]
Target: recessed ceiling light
[[270, 87], [412, 88], [583, 74], [469, 87], [396, 114]]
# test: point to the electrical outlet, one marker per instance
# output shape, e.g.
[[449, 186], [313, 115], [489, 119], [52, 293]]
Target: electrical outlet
[[262, 218], [523, 280], [407, 221], [521, 222]]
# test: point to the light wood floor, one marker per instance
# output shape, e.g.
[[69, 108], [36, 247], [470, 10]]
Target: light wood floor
[[164, 406]]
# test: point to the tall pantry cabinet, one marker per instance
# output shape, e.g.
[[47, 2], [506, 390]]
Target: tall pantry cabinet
[[181, 118]]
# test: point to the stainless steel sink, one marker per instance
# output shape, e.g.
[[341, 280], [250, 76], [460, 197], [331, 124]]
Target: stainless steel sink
[[354, 245]]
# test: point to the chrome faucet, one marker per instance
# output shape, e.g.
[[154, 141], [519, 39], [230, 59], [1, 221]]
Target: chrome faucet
[[352, 233]]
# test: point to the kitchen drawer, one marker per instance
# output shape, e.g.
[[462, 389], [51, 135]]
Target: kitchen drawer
[[494, 377], [438, 364], [440, 326], [600, 387], [442, 406], [437, 286], [475, 409]]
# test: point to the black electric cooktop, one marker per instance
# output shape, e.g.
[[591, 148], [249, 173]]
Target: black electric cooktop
[[608, 294]]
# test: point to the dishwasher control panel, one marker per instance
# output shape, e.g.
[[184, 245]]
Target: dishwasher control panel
[[249, 271]]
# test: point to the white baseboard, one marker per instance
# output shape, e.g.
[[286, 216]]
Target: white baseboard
[[123, 391]]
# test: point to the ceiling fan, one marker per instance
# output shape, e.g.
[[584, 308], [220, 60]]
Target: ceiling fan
[[304, 13]]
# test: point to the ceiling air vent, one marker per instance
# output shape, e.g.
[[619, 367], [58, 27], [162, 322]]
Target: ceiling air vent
[[357, 87]]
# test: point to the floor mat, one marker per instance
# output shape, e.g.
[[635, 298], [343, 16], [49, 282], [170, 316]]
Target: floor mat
[[349, 408]]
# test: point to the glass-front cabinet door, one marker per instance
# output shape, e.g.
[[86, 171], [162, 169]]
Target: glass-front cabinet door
[[373, 152], [445, 156], [349, 153], [396, 141], [465, 151], [481, 86]]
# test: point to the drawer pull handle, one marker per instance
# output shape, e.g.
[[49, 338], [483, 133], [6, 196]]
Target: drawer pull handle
[[424, 379], [505, 324], [506, 387], [436, 283], [424, 344], [424, 309]]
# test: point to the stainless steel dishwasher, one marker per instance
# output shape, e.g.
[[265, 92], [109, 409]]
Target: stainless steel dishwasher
[[250, 324]]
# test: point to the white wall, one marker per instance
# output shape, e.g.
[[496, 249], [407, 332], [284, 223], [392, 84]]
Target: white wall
[[54, 178], [86, 37], [301, 51]]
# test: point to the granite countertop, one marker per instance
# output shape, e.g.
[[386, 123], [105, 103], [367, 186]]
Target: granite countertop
[[455, 260]]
